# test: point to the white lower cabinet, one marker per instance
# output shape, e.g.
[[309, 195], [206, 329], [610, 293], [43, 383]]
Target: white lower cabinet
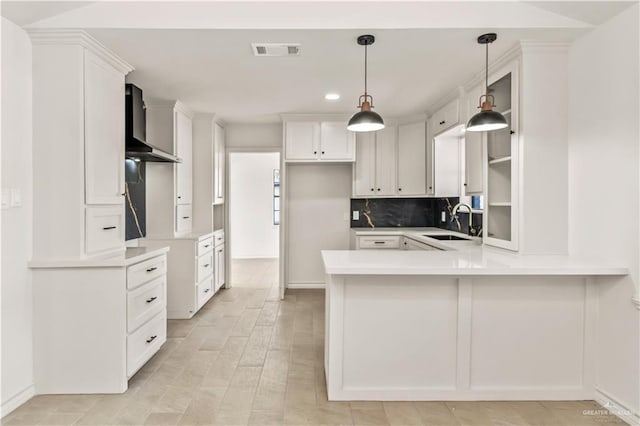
[[409, 244], [193, 271], [378, 242], [97, 323]]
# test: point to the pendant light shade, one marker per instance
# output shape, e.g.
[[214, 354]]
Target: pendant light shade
[[365, 120], [487, 119]]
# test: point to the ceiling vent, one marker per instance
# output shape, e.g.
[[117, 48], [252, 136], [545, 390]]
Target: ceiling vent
[[276, 49]]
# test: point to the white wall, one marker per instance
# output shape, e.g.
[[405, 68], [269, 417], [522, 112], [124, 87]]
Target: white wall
[[17, 357], [253, 135], [253, 234], [604, 189], [318, 218]]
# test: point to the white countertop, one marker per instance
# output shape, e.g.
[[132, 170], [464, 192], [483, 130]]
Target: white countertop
[[466, 258], [186, 236], [125, 258], [418, 235]]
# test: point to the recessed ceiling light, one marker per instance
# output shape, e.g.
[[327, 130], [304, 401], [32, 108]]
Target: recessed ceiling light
[[332, 96]]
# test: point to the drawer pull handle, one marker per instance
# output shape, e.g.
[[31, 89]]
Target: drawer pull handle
[[152, 269], [152, 299], [185, 217], [378, 242], [206, 246], [206, 265], [207, 290], [151, 339], [107, 228], [220, 251], [219, 238]]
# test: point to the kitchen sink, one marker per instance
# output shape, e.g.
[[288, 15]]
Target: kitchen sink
[[447, 237]]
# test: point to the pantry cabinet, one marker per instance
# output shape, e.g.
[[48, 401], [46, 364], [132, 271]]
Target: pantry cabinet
[[78, 146], [318, 141], [169, 186]]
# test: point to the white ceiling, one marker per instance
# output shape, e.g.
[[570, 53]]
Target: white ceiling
[[191, 51]]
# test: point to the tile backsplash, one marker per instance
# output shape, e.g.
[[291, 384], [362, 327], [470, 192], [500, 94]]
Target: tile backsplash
[[135, 199], [410, 213]]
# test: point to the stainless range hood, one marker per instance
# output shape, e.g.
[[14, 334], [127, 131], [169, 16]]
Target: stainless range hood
[[136, 130]]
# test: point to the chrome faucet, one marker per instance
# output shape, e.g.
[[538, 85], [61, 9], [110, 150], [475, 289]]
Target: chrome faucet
[[454, 214]]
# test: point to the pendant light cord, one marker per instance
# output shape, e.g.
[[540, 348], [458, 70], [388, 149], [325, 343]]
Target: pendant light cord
[[365, 72], [486, 69]]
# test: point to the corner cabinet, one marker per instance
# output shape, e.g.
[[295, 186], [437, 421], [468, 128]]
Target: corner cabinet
[[78, 146], [500, 227], [391, 162], [307, 141]]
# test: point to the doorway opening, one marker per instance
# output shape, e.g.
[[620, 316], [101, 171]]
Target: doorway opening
[[254, 219]]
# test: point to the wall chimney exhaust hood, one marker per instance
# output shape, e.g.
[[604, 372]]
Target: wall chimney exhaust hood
[[137, 147]]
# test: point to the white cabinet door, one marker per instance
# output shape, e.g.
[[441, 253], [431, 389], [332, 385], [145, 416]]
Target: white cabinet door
[[447, 167], [364, 175], [302, 140], [412, 159], [219, 267], [183, 135], [386, 161], [219, 163], [473, 173], [104, 135], [430, 147], [447, 117], [336, 142]]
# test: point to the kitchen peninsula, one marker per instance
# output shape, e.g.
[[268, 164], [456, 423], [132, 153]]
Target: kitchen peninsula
[[468, 323]]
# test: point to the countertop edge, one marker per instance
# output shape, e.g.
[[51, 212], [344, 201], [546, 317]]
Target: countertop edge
[[115, 261]]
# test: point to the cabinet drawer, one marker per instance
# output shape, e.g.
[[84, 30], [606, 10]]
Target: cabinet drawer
[[379, 242], [183, 218], [205, 291], [146, 271], [218, 237], [145, 302], [205, 246], [104, 228], [205, 266], [144, 342]]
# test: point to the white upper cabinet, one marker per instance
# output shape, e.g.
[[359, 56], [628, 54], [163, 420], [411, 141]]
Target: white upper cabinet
[[302, 140], [184, 146], [446, 117], [104, 138], [78, 146], [411, 159], [219, 163], [318, 141], [386, 166], [473, 146], [336, 142], [364, 171], [391, 162]]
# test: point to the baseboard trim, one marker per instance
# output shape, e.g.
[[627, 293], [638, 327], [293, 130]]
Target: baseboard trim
[[618, 409], [306, 284], [17, 400]]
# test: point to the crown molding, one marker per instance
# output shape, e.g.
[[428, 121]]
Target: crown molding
[[315, 117], [42, 37], [179, 106]]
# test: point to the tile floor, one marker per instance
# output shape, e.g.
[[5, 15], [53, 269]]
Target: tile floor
[[248, 358]]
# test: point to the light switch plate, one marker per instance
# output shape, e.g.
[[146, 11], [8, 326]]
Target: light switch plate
[[443, 216], [16, 197], [6, 198], [355, 215]]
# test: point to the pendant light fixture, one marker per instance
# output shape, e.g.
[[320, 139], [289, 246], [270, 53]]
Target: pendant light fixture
[[365, 120], [487, 119]]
